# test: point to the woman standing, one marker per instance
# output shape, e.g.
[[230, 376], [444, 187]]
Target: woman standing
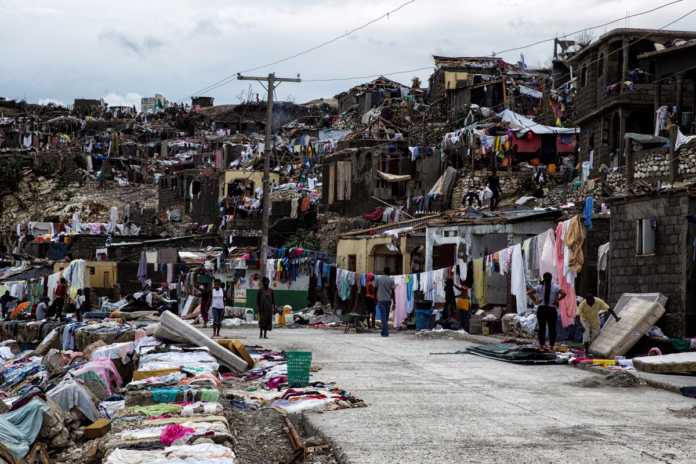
[[218, 307], [265, 304], [546, 296]]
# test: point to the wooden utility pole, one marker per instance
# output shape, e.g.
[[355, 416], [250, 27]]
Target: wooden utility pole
[[272, 82]]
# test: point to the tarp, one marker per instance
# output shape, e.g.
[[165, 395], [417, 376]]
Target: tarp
[[173, 324], [393, 177], [523, 124], [524, 90], [525, 354], [19, 428], [647, 139], [682, 139]]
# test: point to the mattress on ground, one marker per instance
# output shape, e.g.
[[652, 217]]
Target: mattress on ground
[[175, 325], [636, 318], [678, 363]]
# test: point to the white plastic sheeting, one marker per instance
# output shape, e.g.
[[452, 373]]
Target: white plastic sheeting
[[523, 124]]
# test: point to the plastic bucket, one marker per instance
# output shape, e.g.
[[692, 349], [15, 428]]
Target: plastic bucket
[[299, 364], [423, 318]]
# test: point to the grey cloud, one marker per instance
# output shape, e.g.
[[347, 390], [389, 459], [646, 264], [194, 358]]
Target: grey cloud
[[206, 27], [138, 46]]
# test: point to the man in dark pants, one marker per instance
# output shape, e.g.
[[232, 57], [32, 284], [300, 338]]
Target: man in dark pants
[[494, 186], [5, 301], [61, 293], [546, 296], [385, 297]]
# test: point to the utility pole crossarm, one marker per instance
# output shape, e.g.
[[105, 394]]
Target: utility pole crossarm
[[272, 82], [265, 78]]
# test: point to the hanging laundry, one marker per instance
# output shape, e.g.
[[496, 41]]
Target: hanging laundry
[[479, 282], [518, 281], [587, 212], [400, 301], [568, 305]]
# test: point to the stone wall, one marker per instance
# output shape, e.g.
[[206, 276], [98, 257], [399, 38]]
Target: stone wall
[[511, 183], [653, 165], [665, 270]]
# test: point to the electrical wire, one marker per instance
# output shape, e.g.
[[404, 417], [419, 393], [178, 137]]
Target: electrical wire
[[652, 10], [533, 44], [643, 37], [233, 76], [371, 76]]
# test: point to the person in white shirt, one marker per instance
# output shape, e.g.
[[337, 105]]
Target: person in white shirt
[[80, 304], [218, 307]]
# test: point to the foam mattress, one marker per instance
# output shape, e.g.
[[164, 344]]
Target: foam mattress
[[636, 318], [174, 325], [678, 363]]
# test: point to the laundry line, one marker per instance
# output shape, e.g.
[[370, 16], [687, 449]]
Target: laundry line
[[557, 251]]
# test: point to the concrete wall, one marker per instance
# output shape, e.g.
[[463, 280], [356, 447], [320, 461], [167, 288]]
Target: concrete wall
[[666, 270], [254, 176], [364, 251], [100, 274]]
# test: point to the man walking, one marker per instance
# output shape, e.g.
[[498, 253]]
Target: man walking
[[385, 297], [494, 186]]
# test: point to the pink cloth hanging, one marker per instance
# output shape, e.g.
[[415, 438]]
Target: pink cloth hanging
[[400, 301], [567, 307]]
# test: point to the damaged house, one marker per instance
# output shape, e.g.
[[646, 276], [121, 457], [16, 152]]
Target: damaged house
[[652, 241], [365, 97], [459, 82], [622, 82], [355, 179]]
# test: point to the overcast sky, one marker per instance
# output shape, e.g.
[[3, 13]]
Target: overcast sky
[[120, 50]]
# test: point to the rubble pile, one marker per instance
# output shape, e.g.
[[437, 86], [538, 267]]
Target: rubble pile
[[512, 184]]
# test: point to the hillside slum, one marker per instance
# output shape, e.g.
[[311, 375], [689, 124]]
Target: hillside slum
[[116, 225]]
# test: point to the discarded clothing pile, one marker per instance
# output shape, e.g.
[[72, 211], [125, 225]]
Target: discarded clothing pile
[[266, 385]]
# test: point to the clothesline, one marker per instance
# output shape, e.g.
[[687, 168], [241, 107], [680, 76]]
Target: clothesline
[[558, 252]]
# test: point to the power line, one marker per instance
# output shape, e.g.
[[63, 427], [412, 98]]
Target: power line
[[371, 76], [506, 50], [233, 76], [533, 44], [643, 37]]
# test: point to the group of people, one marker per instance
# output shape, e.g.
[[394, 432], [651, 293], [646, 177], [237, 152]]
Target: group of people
[[491, 192], [47, 309], [379, 300]]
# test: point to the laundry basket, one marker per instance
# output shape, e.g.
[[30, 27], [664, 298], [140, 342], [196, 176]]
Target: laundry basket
[[299, 363]]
